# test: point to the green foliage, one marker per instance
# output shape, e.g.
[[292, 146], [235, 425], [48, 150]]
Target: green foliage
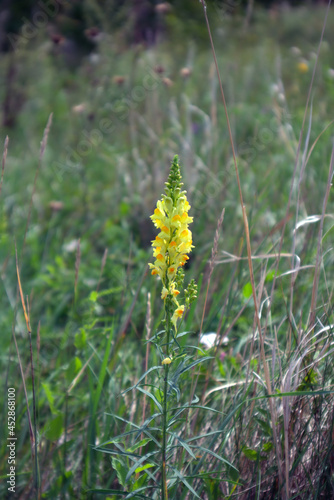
[[95, 314]]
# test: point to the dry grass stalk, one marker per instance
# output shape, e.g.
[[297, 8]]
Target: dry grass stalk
[[318, 258], [41, 155], [250, 265]]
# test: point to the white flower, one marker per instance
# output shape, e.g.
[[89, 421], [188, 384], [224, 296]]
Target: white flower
[[209, 339]]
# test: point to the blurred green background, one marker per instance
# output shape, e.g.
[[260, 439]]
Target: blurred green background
[[129, 85]]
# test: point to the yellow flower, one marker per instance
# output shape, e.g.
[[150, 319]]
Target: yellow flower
[[166, 361], [302, 67], [174, 242], [178, 313]]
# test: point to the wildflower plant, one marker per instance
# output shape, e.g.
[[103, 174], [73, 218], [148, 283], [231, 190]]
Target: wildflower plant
[[173, 244], [170, 249], [164, 462]]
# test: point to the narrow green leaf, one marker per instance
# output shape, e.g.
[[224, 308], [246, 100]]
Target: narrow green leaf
[[144, 467], [185, 482], [138, 462], [139, 429], [183, 444], [201, 436], [182, 334], [105, 491], [143, 442], [150, 395], [264, 426], [194, 363], [125, 494], [142, 378], [135, 493], [297, 393], [217, 456]]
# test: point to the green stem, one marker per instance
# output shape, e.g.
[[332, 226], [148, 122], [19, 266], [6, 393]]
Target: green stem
[[164, 416]]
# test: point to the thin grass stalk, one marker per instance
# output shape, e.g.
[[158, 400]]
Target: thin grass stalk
[[41, 155], [38, 344], [168, 314], [148, 334], [266, 370], [316, 141], [31, 433], [19, 292], [298, 152], [318, 258], [252, 406], [37, 478], [250, 265], [32, 428], [212, 263], [78, 376], [296, 266], [261, 287]]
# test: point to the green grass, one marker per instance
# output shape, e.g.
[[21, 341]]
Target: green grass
[[88, 309]]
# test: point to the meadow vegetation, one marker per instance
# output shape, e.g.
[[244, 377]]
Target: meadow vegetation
[[76, 230]]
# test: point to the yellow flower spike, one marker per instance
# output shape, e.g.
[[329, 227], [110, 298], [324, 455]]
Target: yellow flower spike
[[174, 241], [170, 249]]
